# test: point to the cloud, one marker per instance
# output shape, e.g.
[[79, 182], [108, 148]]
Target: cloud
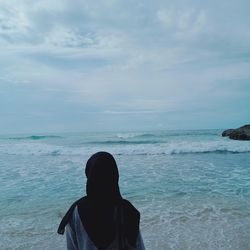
[[124, 57], [186, 24]]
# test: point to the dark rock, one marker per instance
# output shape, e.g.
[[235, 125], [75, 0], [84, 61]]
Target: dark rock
[[242, 133], [227, 132]]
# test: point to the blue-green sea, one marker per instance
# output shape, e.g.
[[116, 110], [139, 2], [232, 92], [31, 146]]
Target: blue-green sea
[[191, 187]]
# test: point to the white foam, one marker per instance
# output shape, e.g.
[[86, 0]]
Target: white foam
[[128, 135], [207, 146], [168, 148]]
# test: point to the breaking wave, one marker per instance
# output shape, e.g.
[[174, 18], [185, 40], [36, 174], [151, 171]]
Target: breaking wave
[[125, 136], [166, 134], [125, 148], [124, 142]]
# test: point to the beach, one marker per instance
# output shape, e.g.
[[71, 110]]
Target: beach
[[192, 187]]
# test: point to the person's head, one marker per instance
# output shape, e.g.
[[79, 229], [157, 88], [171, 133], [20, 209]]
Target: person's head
[[102, 178]]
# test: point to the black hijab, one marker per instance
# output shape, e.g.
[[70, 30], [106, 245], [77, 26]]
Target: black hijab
[[103, 212], [102, 179]]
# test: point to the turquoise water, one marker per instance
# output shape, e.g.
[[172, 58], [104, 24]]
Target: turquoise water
[[192, 187]]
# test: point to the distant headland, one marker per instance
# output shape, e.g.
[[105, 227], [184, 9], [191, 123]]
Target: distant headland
[[242, 133]]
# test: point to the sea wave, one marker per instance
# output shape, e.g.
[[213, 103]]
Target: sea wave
[[167, 134], [35, 137], [170, 148], [124, 142], [125, 136], [218, 146]]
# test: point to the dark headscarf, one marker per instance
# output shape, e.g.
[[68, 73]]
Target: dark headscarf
[[103, 212], [102, 179]]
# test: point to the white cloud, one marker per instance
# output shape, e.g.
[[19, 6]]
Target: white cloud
[[123, 56], [14, 25], [166, 17], [191, 24], [185, 24]]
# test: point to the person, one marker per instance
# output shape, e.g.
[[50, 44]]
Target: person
[[102, 220]]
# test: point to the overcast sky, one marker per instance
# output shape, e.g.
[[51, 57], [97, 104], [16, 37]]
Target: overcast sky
[[86, 65]]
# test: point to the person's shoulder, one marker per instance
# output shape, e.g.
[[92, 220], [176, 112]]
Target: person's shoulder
[[81, 201], [130, 207], [76, 204], [127, 203], [68, 216]]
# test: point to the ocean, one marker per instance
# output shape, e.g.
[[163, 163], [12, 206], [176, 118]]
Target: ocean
[[191, 187]]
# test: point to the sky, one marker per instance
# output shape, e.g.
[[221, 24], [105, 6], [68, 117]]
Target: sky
[[84, 65]]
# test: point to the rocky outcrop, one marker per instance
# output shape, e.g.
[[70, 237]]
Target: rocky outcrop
[[242, 133]]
